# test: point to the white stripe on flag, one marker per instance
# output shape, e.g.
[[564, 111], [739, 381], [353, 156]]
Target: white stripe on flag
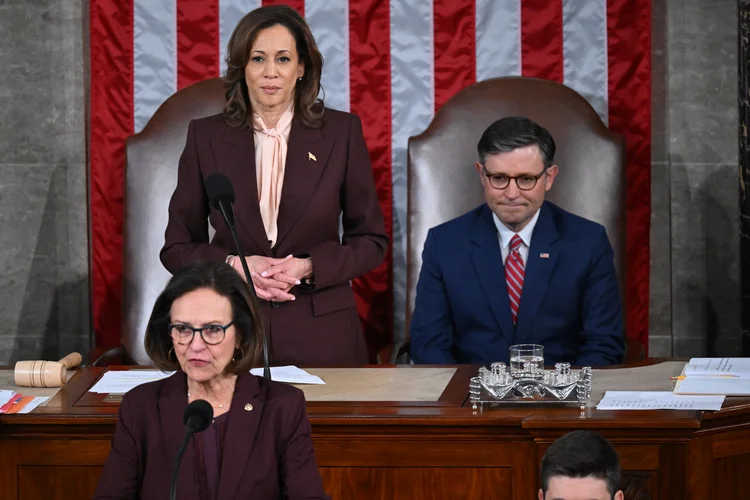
[[154, 57], [585, 51], [412, 108], [230, 13], [498, 32], [329, 22]]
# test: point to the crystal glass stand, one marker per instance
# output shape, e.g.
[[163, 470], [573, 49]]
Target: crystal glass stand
[[531, 385]]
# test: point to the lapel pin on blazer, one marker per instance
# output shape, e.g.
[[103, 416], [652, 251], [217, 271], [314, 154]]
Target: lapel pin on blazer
[[544, 256], [311, 156], [248, 407]]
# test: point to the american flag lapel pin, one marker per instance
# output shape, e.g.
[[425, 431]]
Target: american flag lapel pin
[[544, 255], [311, 156]]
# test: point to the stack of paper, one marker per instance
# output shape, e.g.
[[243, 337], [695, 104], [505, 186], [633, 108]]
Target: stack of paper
[[289, 374], [720, 376], [121, 381], [733, 367], [657, 400], [14, 402]]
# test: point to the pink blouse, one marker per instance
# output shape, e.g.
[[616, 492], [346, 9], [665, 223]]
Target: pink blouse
[[270, 162]]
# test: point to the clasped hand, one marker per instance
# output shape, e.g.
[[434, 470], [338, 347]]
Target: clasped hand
[[273, 278]]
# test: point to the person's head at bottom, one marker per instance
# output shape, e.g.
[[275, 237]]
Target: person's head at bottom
[[205, 323], [581, 465]]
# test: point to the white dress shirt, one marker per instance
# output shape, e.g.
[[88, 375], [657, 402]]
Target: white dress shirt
[[505, 235]]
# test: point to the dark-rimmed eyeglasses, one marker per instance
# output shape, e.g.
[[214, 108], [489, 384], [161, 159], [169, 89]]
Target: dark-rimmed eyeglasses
[[211, 334], [524, 182]]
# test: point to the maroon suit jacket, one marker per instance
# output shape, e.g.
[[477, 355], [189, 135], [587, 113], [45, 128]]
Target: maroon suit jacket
[[268, 451], [328, 173]]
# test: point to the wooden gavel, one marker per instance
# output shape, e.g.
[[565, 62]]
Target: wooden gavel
[[45, 373]]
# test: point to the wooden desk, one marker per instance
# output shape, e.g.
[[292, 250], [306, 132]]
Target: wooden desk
[[403, 450]]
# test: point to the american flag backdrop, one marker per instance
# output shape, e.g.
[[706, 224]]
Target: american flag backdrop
[[394, 63]]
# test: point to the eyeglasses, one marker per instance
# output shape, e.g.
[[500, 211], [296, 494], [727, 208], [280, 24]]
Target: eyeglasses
[[524, 182], [211, 334]]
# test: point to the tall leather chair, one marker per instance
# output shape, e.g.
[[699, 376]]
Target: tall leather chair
[[150, 180], [443, 182]]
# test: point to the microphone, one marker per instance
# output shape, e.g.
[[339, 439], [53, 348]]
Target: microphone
[[221, 196], [197, 417]]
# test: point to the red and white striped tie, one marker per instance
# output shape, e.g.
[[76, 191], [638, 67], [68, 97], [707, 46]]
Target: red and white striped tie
[[514, 275]]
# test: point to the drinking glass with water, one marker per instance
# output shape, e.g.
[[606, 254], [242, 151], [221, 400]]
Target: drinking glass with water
[[526, 359]]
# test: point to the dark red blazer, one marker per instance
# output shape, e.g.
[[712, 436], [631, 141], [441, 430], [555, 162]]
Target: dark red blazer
[[267, 454], [328, 173]]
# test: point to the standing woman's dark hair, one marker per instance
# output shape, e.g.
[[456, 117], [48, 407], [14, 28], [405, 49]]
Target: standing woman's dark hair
[[225, 281], [307, 107]]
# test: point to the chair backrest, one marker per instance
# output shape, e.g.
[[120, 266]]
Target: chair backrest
[[443, 182], [151, 177]]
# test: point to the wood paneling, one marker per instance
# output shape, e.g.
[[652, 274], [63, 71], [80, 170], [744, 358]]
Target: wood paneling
[[405, 451], [408, 483], [730, 477], [57, 482], [398, 451]]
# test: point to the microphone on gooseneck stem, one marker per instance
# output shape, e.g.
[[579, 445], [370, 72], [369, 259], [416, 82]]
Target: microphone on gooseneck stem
[[221, 196], [197, 417]]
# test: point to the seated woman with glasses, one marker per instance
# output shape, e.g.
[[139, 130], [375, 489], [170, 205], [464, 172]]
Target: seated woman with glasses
[[206, 327]]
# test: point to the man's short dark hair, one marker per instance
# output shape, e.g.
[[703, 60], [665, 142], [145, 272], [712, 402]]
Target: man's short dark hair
[[582, 454], [515, 132]]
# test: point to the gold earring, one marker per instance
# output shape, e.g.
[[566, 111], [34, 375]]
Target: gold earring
[[171, 351]]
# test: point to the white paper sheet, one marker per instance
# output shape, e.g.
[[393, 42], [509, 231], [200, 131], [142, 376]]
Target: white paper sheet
[[33, 404], [290, 374], [5, 396], [120, 382], [657, 400], [737, 367], [713, 385]]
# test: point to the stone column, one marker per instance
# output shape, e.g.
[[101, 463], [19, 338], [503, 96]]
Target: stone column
[[743, 63]]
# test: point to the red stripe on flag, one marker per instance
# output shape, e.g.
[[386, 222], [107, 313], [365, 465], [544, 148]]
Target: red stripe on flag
[[197, 41], [370, 96], [629, 59], [542, 39], [111, 42], [454, 24], [298, 5]]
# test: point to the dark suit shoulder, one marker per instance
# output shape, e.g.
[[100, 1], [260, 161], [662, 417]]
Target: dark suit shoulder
[[216, 120], [209, 127], [330, 116], [336, 122], [335, 116], [570, 225], [333, 120], [459, 225]]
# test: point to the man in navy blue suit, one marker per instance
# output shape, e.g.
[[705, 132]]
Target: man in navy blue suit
[[517, 269]]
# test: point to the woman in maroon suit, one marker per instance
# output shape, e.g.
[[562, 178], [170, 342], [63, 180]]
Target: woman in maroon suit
[[205, 326], [296, 167]]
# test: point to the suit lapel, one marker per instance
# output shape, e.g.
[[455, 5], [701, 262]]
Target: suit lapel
[[172, 404], [307, 154], [537, 273], [242, 429], [488, 263], [238, 163]]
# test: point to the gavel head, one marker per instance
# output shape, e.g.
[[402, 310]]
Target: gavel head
[[40, 374]]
